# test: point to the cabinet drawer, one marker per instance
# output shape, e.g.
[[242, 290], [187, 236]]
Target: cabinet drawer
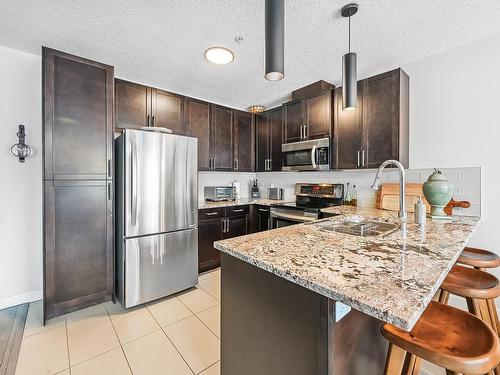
[[237, 210], [210, 213]]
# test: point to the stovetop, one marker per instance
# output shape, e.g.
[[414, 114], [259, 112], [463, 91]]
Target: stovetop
[[309, 206]]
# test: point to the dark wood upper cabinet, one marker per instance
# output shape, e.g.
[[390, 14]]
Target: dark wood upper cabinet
[[262, 146], [269, 129], [132, 105], [294, 121], [167, 110], [348, 132], [308, 118], [78, 117], [244, 142], [275, 138], [385, 113], [222, 138], [197, 124], [137, 106], [378, 129]]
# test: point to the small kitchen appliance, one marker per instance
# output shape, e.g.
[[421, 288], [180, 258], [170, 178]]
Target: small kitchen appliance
[[254, 188], [311, 155], [220, 193], [275, 193]]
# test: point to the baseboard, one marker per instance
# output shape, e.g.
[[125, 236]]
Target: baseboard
[[20, 298]]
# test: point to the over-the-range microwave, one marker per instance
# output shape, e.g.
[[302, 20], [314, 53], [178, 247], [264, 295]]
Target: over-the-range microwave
[[311, 155]]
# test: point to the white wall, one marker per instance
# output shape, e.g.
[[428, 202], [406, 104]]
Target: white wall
[[21, 184], [455, 121]]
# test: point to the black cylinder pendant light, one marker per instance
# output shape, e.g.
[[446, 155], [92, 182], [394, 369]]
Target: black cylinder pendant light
[[349, 67], [275, 40]]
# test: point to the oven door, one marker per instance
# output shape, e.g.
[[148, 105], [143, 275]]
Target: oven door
[[313, 155], [283, 217]]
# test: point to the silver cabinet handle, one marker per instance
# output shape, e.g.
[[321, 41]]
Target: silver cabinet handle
[[301, 128], [228, 222], [265, 165], [239, 210], [109, 190], [313, 156], [305, 131], [109, 168], [363, 158], [133, 185], [211, 213], [358, 158], [263, 210]]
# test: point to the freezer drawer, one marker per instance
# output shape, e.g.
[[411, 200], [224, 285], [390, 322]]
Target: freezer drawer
[[159, 265]]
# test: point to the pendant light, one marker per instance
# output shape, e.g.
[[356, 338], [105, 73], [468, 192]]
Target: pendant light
[[349, 67], [275, 39]]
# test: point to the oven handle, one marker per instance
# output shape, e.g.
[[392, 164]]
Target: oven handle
[[299, 219], [313, 156]]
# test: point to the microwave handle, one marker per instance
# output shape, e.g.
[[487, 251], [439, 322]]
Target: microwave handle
[[313, 156]]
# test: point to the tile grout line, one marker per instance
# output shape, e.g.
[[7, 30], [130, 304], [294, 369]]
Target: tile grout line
[[121, 346], [67, 344], [175, 347]]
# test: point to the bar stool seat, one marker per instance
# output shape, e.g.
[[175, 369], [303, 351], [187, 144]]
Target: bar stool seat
[[471, 283], [448, 337], [479, 258]]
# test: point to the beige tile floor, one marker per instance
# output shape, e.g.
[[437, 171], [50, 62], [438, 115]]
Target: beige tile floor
[[174, 336]]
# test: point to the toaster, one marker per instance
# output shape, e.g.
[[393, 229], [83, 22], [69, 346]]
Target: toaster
[[275, 193], [220, 193]]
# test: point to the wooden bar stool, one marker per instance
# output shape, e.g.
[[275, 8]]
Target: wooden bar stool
[[479, 258], [479, 289], [446, 336]]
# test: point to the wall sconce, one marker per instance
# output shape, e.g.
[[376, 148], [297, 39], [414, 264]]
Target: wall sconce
[[21, 150]]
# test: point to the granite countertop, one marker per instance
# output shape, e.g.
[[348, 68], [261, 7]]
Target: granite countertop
[[391, 277], [262, 201]]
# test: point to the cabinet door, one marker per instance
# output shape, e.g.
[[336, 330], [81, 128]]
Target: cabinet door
[[294, 121], [236, 226], [167, 110], [78, 117], [222, 138], [348, 132], [132, 105], [262, 153], [244, 142], [381, 118], [263, 218], [197, 124], [209, 231], [276, 137], [319, 115], [78, 251]]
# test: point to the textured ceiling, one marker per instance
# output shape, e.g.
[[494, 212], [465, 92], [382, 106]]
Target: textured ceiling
[[161, 42]]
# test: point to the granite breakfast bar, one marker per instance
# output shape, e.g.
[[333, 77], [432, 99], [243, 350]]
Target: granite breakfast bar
[[306, 300]]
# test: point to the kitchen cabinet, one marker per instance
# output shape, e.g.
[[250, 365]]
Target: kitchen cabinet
[[308, 118], [244, 142], [217, 224], [378, 129], [137, 106], [269, 129], [78, 193], [197, 124], [260, 218], [222, 138]]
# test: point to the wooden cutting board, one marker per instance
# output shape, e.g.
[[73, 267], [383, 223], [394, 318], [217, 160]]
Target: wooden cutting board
[[388, 197]]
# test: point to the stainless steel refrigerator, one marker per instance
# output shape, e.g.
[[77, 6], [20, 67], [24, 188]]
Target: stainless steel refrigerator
[[156, 195]]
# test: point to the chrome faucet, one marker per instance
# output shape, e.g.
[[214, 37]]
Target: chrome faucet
[[402, 201]]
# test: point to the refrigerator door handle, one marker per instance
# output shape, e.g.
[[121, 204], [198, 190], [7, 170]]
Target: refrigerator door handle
[[133, 185]]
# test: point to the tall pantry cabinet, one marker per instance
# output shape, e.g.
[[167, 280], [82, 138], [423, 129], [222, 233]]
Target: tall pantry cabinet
[[78, 183]]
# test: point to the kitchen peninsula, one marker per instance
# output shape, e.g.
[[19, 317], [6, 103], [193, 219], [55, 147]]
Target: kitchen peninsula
[[287, 293]]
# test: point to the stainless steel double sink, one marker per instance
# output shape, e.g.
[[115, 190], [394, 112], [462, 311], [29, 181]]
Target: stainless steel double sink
[[362, 228]]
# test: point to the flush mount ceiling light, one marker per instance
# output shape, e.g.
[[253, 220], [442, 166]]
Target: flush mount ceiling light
[[275, 40], [349, 67], [256, 109], [219, 55]]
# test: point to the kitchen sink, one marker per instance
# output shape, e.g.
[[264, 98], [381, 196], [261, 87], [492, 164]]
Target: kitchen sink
[[363, 228]]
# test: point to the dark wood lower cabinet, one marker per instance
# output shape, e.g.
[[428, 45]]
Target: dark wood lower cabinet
[[260, 218], [78, 239]]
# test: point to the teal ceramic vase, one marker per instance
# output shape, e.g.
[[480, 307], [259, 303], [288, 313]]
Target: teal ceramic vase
[[438, 192]]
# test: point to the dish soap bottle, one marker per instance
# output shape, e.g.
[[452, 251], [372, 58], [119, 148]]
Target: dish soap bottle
[[354, 196], [347, 199]]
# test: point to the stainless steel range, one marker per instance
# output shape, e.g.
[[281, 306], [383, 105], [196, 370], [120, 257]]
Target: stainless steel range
[[309, 200]]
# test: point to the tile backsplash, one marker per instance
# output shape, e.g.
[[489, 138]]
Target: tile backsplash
[[467, 182]]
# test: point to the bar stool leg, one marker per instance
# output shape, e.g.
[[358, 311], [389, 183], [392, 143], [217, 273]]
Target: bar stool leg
[[395, 360], [494, 315], [443, 297]]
